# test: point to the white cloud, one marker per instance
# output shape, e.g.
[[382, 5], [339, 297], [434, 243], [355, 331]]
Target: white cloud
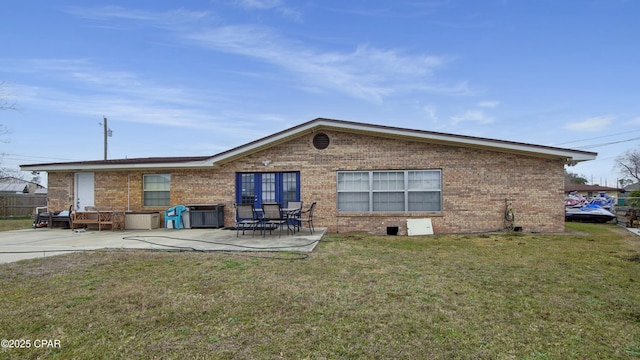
[[123, 95], [367, 72], [165, 20], [431, 112], [635, 121], [276, 5], [488, 104], [597, 123], [260, 4], [477, 116]]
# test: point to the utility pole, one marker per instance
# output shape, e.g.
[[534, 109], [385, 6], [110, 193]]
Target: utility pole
[[107, 133], [105, 137]]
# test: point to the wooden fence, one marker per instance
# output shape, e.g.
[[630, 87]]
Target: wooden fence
[[19, 205]]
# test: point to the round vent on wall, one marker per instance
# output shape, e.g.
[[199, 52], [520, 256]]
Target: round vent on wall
[[321, 141]]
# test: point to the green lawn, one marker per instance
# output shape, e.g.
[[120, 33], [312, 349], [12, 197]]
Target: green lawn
[[16, 224], [499, 296]]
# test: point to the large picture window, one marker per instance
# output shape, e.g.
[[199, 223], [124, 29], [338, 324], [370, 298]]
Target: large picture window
[[156, 190], [390, 191]]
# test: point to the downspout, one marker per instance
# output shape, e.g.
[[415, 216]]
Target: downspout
[[70, 197], [128, 191]]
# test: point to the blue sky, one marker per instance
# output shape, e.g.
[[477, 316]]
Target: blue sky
[[180, 78]]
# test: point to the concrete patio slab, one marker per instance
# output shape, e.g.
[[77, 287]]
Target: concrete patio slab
[[35, 243]]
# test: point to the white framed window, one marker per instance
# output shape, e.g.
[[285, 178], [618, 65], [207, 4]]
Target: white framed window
[[156, 190], [390, 191]]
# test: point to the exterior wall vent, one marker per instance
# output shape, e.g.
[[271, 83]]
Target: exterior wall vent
[[321, 141]]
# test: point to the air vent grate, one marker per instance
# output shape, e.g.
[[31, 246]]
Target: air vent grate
[[321, 141]]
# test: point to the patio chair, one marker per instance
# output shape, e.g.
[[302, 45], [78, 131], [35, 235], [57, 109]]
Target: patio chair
[[295, 208], [272, 217], [245, 216], [174, 214], [307, 216]]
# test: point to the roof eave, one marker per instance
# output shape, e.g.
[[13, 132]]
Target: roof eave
[[470, 141], [568, 156], [106, 167]]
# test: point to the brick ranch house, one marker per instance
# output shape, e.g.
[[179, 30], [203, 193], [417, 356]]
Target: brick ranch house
[[363, 177]]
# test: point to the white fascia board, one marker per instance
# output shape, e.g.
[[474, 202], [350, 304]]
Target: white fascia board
[[275, 139], [570, 155], [498, 145], [97, 167]]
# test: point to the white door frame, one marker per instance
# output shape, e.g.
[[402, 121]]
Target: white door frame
[[84, 190]]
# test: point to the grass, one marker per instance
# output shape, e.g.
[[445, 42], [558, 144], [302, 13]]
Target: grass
[[487, 296], [16, 223]]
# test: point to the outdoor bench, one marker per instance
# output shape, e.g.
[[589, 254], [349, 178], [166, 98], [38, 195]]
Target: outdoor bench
[[101, 218], [81, 219]]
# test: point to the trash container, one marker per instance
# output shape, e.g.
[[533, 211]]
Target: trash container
[[206, 215]]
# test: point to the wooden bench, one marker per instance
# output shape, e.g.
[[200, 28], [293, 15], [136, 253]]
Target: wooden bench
[[82, 219], [113, 219]]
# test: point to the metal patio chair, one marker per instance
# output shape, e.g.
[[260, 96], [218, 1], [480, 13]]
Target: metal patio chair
[[245, 217], [294, 208], [272, 217], [307, 216]]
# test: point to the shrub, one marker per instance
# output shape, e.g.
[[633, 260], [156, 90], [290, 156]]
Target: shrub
[[633, 199]]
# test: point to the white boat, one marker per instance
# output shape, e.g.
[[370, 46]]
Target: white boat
[[588, 213]]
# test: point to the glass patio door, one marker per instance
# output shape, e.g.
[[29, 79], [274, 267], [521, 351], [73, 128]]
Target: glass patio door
[[259, 188]]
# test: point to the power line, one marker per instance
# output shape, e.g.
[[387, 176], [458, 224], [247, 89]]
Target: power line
[[597, 137], [609, 143], [32, 157]]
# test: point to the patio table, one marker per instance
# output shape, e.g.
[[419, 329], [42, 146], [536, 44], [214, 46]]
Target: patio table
[[287, 213]]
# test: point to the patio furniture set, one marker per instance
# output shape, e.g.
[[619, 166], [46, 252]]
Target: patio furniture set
[[102, 218], [92, 216], [79, 219], [269, 217], [272, 216]]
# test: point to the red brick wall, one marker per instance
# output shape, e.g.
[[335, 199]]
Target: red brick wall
[[475, 183]]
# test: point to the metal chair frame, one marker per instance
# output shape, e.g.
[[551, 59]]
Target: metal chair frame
[[245, 215], [307, 216], [272, 216]]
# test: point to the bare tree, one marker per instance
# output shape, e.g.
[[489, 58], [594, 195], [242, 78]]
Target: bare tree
[[572, 178], [4, 131], [4, 103], [628, 164]]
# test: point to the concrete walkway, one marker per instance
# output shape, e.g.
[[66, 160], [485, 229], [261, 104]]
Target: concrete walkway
[[35, 243], [634, 230]]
